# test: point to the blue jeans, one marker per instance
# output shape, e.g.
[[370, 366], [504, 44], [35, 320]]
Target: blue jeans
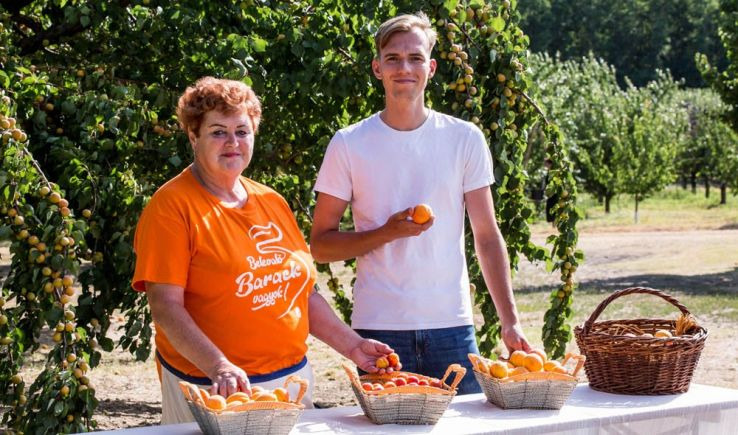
[[429, 352]]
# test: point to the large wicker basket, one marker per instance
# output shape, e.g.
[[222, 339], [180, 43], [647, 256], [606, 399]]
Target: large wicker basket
[[273, 418], [618, 361], [535, 390], [408, 404]]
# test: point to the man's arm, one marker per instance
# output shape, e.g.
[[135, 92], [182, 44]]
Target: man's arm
[[328, 244], [492, 254]]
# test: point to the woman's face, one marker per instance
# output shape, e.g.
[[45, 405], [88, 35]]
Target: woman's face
[[225, 144]]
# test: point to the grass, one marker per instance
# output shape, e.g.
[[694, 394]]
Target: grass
[[671, 209]]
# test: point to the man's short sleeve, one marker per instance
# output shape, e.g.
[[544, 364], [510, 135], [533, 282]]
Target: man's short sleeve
[[162, 246], [334, 177], [478, 168]]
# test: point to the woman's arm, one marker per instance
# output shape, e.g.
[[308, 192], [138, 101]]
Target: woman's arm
[[167, 307], [328, 328]]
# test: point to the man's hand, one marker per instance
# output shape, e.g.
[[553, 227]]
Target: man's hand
[[399, 225], [514, 339], [365, 355], [228, 378]]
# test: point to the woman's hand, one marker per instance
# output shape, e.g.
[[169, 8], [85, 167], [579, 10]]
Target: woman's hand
[[365, 355], [228, 379], [514, 339]]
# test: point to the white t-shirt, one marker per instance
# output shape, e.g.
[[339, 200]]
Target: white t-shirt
[[415, 282]]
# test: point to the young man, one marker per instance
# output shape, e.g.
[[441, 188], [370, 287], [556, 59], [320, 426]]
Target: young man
[[412, 287]]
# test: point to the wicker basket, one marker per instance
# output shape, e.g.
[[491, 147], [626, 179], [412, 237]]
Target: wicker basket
[[618, 362], [249, 418], [408, 404], [535, 390]]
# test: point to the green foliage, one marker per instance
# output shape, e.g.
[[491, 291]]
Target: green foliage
[[654, 130], [93, 86], [724, 80], [636, 37]]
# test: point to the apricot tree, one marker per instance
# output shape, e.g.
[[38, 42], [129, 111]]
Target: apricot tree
[[89, 133]]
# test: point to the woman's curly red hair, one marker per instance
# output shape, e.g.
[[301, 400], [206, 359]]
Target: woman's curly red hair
[[209, 93]]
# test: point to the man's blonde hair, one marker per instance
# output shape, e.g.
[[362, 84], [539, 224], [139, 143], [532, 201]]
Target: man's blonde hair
[[404, 23]]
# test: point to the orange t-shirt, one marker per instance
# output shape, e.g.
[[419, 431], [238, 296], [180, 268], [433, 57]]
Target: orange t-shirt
[[246, 272]]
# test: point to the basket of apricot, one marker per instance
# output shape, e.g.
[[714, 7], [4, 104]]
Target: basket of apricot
[[262, 412], [403, 397], [527, 380]]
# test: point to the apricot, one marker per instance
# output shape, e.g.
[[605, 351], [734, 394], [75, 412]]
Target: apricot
[[399, 381], [382, 362], [282, 394], [550, 366], [533, 362], [239, 396], [518, 371], [498, 369], [518, 358], [421, 213], [264, 396], [393, 359], [367, 386], [389, 384], [540, 353], [216, 402]]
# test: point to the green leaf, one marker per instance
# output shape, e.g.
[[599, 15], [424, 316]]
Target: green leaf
[[497, 24]]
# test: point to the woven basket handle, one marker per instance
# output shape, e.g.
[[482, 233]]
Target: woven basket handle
[[294, 379], [580, 362], [458, 370], [194, 394], [352, 376], [596, 313], [475, 360]]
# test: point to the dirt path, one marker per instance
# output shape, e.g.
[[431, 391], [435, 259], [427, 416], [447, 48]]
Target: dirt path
[[694, 262]]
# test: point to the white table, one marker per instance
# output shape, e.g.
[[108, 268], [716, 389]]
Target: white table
[[702, 410]]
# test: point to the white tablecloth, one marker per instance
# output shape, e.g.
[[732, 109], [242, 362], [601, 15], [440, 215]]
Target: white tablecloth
[[702, 410]]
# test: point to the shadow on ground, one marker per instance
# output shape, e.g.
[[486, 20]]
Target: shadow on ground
[[725, 283], [132, 413]]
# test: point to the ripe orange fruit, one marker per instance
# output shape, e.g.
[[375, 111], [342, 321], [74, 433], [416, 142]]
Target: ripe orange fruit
[[550, 366], [367, 386], [265, 396], [498, 369], [389, 384], [233, 404], [393, 359], [239, 396], [483, 366], [216, 402], [540, 353], [533, 362], [662, 333], [518, 371], [517, 358], [382, 362], [282, 394], [256, 389], [399, 381], [421, 213]]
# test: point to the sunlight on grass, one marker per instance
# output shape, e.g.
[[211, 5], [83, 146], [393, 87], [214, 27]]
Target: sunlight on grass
[[671, 209]]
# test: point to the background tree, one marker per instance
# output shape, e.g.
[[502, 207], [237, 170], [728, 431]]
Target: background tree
[[584, 99], [91, 87], [636, 37], [655, 130]]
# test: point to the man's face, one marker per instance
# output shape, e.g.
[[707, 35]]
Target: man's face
[[404, 65]]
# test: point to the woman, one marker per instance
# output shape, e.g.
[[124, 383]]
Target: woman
[[226, 270]]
